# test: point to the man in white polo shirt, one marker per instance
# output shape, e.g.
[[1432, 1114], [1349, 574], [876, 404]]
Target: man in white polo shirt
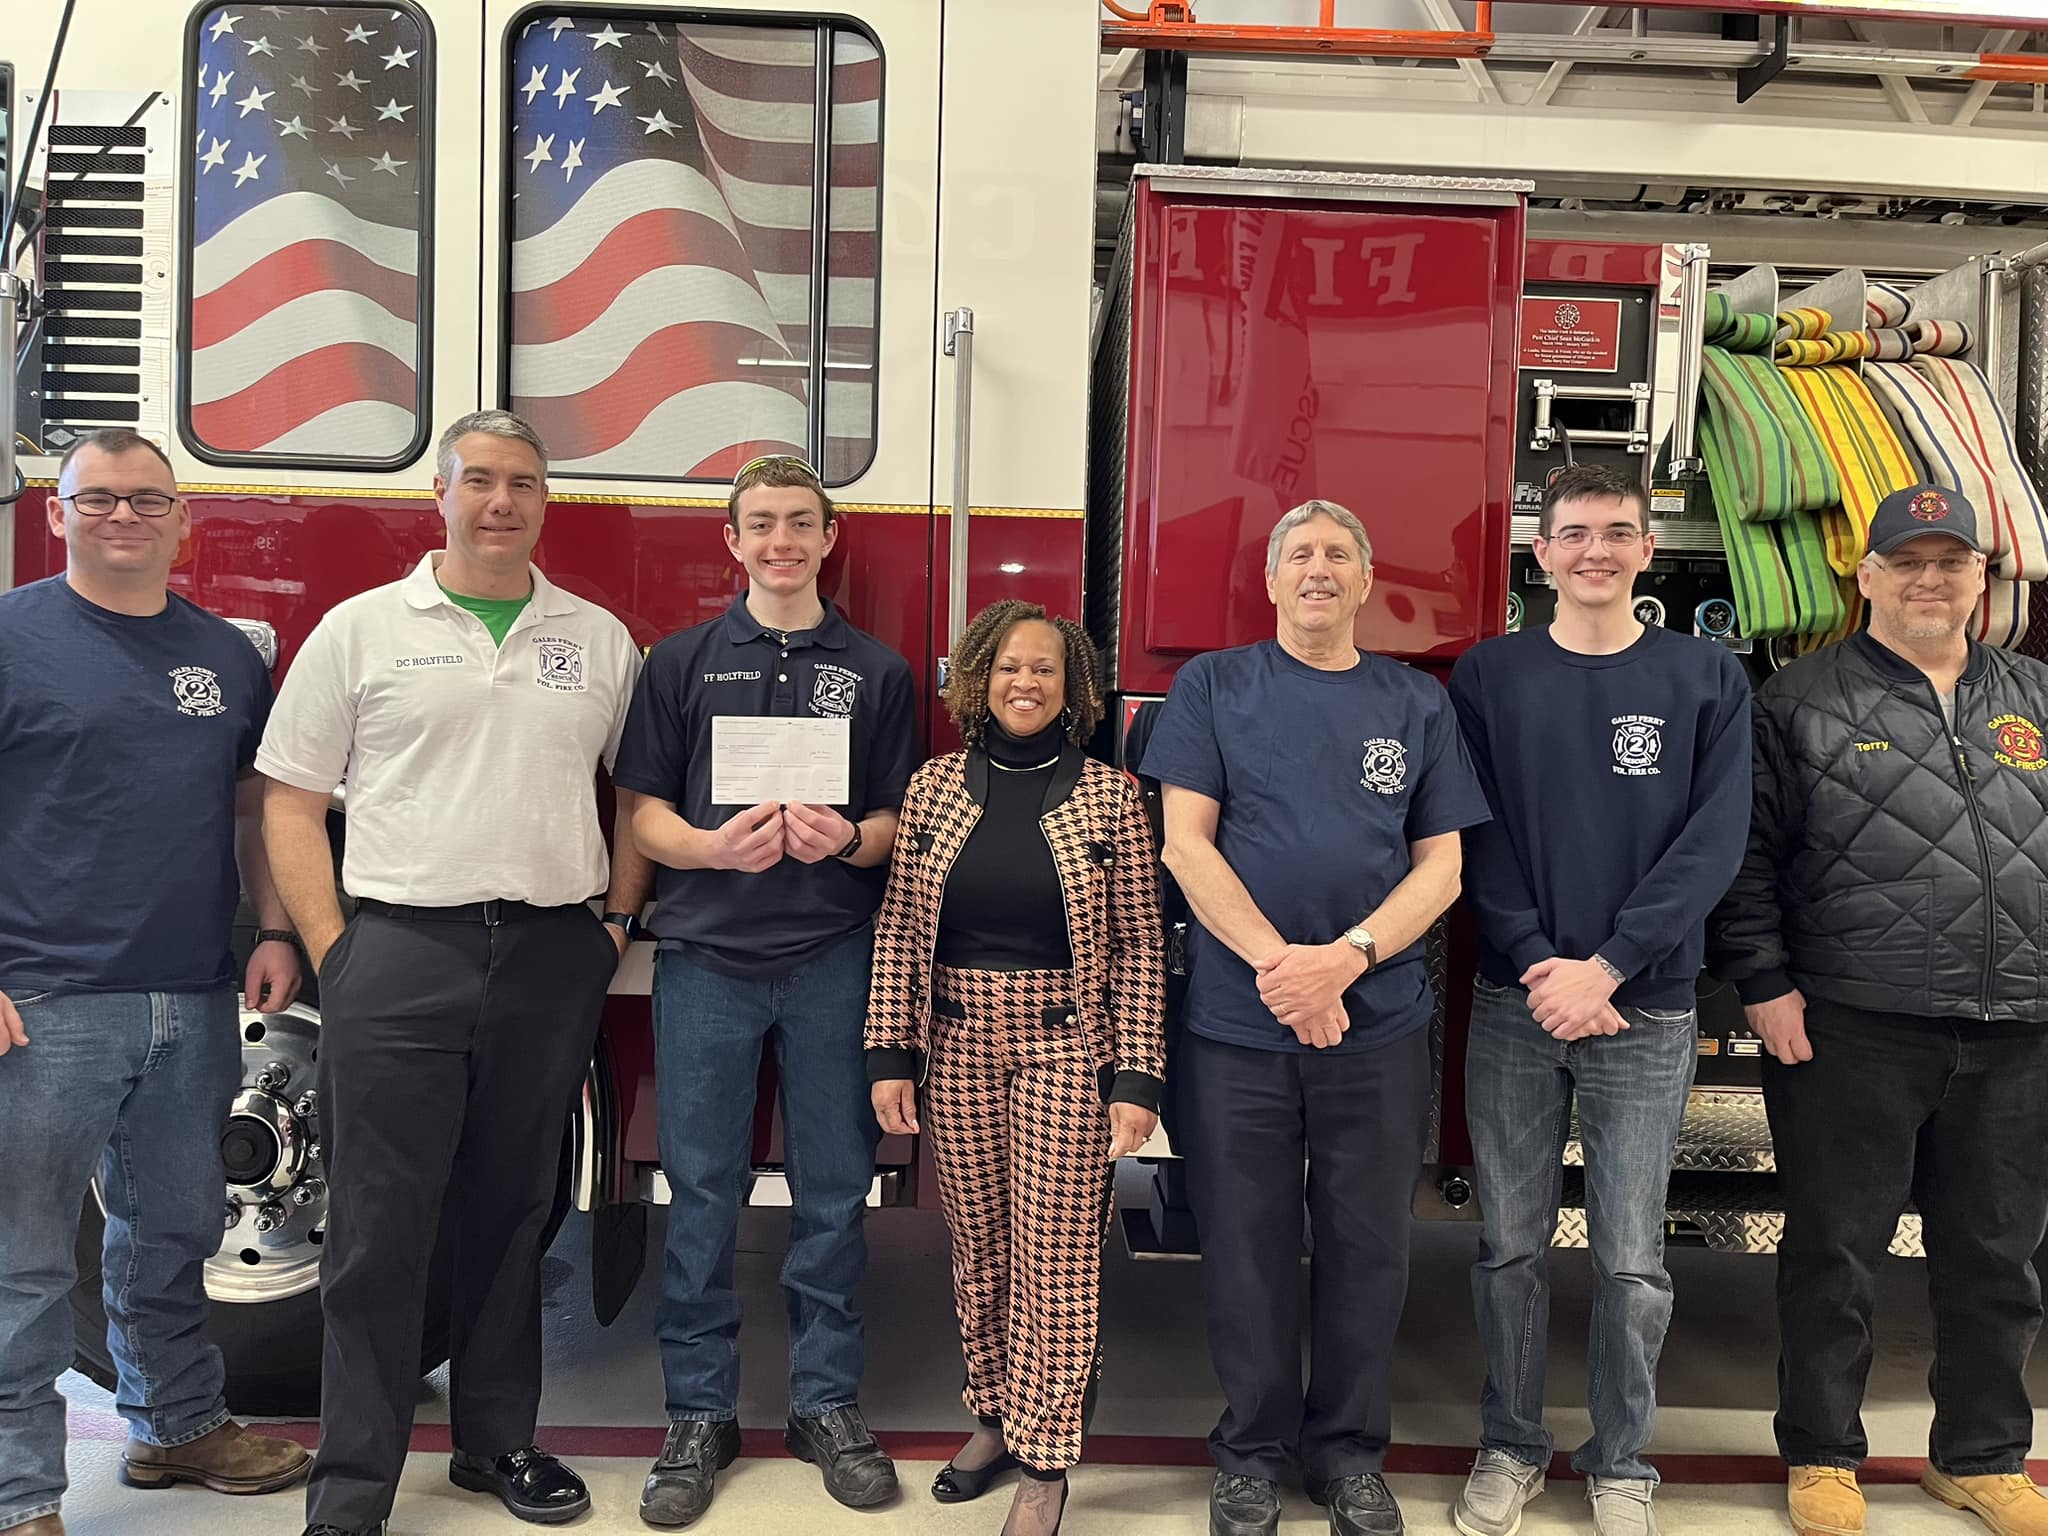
[[468, 706]]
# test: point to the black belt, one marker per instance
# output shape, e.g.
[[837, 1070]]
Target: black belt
[[489, 913]]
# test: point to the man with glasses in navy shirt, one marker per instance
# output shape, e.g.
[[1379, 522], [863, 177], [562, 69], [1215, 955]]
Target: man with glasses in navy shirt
[[129, 721], [1592, 886], [765, 920], [1313, 801]]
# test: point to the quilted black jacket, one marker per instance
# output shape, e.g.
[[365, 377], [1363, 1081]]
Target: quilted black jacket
[[1891, 866]]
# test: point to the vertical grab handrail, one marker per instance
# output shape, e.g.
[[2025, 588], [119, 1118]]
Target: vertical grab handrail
[[959, 347], [1692, 315]]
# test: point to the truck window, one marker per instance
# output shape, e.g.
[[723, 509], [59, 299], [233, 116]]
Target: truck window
[[307, 200], [693, 264]]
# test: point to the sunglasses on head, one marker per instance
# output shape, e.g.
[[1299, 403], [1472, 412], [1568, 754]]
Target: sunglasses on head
[[751, 465]]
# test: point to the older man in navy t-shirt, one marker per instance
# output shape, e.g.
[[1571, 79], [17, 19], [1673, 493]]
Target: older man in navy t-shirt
[[1314, 797], [127, 716]]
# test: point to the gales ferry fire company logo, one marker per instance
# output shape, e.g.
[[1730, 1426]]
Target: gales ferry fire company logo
[[1929, 506], [560, 664], [197, 691], [1385, 766], [1638, 743], [2019, 743]]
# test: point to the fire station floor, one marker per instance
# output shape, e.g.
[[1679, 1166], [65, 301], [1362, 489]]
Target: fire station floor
[[1146, 1470]]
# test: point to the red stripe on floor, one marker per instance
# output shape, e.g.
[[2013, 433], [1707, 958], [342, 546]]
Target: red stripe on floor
[[643, 1443]]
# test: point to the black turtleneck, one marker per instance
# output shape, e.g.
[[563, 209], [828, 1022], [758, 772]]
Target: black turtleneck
[[1004, 910]]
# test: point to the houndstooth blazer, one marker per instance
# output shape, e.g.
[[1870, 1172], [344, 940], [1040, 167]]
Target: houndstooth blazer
[[1108, 872]]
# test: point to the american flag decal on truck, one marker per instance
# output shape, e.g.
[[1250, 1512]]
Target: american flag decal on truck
[[306, 216], [661, 181]]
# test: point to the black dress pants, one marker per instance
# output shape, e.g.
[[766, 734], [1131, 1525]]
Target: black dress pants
[[1953, 1114], [1251, 1121], [450, 1054]]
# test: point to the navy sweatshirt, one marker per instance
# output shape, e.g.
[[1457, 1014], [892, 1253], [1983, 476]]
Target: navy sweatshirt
[[1620, 794]]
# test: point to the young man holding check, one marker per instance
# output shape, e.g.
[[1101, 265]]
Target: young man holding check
[[764, 916]]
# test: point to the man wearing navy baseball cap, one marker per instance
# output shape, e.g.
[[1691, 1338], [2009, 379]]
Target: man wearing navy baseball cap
[[1886, 938]]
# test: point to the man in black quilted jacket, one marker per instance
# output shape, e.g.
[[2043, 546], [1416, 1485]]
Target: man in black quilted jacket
[[1886, 937]]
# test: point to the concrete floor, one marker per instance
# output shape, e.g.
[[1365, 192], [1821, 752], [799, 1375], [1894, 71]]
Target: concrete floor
[[603, 1405]]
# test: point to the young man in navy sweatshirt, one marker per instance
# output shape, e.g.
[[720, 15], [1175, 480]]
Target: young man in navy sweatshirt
[[1615, 759]]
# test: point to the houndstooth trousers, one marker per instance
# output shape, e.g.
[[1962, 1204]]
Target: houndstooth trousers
[[1020, 1137]]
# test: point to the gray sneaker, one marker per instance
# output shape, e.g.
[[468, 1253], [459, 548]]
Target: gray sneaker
[[1499, 1486], [1621, 1505]]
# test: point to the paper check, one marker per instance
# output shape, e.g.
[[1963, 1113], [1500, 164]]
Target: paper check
[[756, 758]]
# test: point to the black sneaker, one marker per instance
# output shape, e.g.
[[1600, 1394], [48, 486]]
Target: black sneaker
[[838, 1443], [678, 1488], [1360, 1505], [1244, 1506], [337, 1530], [529, 1482]]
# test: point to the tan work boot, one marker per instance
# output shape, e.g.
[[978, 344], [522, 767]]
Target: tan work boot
[[1824, 1501], [2007, 1502], [229, 1460], [42, 1525]]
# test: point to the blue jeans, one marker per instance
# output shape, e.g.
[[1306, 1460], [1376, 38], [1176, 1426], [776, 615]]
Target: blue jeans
[[137, 1085], [1631, 1090], [708, 1032]]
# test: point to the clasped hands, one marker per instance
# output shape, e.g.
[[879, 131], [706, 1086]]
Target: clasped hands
[[1303, 985], [1572, 999], [756, 838]]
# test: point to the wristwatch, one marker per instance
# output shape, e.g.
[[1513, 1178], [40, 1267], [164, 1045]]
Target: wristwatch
[[627, 923], [1360, 939], [276, 936], [852, 844]]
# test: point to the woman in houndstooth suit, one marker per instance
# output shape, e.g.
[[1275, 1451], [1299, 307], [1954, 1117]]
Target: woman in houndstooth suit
[[1018, 978]]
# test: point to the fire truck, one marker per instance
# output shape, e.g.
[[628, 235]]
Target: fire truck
[[1069, 302]]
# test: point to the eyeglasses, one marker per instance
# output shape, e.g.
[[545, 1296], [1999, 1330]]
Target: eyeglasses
[[102, 503], [1613, 538], [1911, 567], [790, 459]]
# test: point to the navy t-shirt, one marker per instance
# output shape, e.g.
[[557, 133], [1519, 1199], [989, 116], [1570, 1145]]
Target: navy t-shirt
[[1620, 794], [121, 739], [1324, 779], [764, 924]]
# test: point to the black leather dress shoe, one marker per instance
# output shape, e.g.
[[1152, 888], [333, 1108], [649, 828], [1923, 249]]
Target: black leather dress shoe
[[838, 1443], [529, 1482], [679, 1487], [1361, 1505], [1243, 1506]]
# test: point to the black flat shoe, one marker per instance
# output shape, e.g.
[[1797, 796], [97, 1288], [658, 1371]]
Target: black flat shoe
[[678, 1488], [839, 1444], [529, 1482], [957, 1485]]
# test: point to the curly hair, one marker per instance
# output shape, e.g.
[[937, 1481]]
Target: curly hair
[[974, 657]]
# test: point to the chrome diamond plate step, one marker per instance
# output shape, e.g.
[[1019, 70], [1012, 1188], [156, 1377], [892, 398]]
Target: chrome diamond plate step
[[1724, 1132]]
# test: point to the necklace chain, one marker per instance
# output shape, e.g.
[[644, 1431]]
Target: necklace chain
[[1027, 768]]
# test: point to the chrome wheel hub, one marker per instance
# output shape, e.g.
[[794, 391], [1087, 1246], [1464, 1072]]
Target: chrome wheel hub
[[274, 1214]]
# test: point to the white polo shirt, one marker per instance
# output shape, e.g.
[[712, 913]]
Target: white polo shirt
[[470, 766]]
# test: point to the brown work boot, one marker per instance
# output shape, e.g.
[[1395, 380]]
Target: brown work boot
[[229, 1460], [1824, 1501], [42, 1525], [2008, 1502]]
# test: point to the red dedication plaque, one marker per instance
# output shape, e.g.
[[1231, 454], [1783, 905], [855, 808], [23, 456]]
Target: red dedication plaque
[[1571, 335]]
